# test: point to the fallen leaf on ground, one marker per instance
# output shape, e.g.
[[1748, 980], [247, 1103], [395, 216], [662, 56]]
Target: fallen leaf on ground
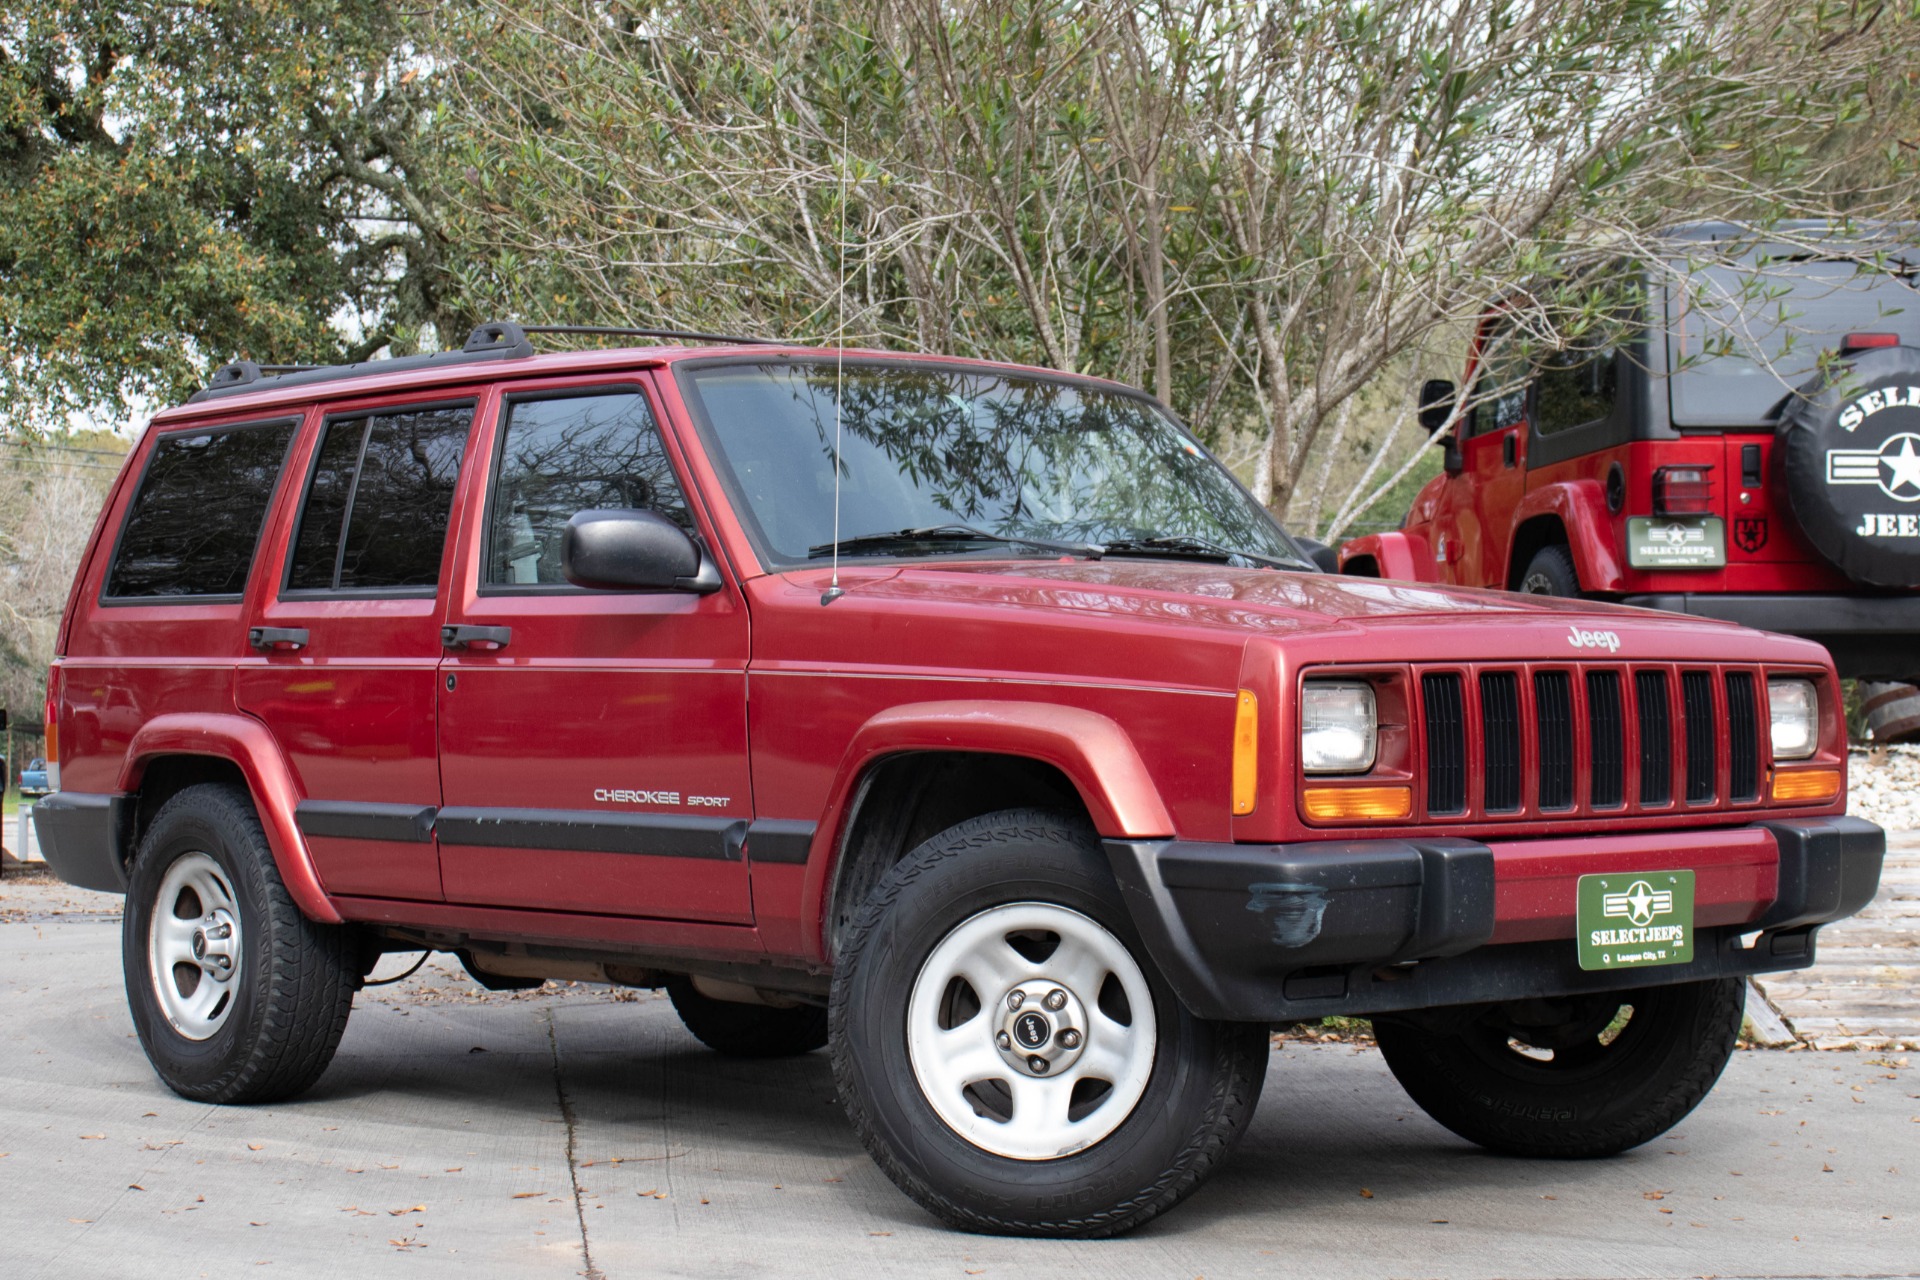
[[527, 1195], [1653, 1195], [255, 1146], [399, 1213], [1366, 1193], [134, 1186], [92, 1137]]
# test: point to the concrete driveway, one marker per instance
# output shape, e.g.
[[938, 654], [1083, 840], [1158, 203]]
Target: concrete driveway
[[573, 1132]]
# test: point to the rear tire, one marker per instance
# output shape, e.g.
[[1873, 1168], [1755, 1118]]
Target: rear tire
[[1577, 1085], [1135, 1101], [1551, 573], [236, 996], [747, 1030]]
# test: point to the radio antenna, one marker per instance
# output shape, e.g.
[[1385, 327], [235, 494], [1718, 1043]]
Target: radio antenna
[[833, 591]]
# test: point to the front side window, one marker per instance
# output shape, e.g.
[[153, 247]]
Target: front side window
[[192, 528], [1501, 385], [376, 511], [938, 452], [563, 456]]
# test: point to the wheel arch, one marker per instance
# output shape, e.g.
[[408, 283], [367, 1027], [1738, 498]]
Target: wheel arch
[[1395, 554], [177, 750], [1573, 514]]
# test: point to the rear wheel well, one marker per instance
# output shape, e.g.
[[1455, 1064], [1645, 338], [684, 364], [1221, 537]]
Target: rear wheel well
[[1529, 540], [162, 778], [904, 800]]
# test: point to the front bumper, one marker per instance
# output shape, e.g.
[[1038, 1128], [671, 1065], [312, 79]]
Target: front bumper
[[1869, 636], [1278, 933]]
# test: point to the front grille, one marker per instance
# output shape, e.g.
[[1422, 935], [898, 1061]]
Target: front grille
[[1696, 696], [1500, 729], [1743, 738], [1606, 740], [1553, 704], [1513, 741], [1446, 743]]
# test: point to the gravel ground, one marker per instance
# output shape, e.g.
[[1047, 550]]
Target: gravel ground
[[1883, 786]]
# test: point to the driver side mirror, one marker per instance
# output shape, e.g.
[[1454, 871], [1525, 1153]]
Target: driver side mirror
[[1436, 404], [633, 550]]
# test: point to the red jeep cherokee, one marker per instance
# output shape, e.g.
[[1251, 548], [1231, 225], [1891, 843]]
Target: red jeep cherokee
[[967, 719], [1706, 466]]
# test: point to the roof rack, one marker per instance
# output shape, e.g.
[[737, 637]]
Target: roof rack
[[494, 340]]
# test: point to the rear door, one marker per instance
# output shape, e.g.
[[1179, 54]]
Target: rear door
[[345, 652], [593, 744]]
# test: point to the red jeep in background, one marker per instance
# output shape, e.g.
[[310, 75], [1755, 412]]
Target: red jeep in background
[[1706, 465], [969, 720]]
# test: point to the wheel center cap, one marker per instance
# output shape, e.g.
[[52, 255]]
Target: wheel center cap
[[199, 944], [1042, 1028], [1032, 1030]]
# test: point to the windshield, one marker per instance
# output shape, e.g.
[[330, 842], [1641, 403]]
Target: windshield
[[1741, 340], [930, 448]]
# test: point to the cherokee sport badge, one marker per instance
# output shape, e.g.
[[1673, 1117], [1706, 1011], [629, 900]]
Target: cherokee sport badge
[[1634, 919]]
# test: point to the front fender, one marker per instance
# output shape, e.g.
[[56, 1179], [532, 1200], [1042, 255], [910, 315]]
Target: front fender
[[248, 745], [1581, 508], [1093, 751], [1397, 554]]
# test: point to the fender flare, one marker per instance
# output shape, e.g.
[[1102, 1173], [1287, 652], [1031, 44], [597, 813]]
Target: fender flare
[[1397, 553], [1581, 507], [1093, 751], [247, 744]]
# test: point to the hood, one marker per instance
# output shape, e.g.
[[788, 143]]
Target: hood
[[1200, 593]]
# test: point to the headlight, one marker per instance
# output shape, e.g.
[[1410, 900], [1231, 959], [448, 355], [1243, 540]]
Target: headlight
[[1337, 726], [1796, 718]]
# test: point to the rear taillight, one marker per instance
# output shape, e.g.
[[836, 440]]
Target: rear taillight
[[1868, 341], [52, 749], [1682, 491]]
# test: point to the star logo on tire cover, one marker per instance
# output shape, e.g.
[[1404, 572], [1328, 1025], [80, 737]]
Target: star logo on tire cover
[[1894, 466]]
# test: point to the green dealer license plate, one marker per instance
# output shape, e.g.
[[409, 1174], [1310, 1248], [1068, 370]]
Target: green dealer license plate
[[1677, 542], [1635, 918]]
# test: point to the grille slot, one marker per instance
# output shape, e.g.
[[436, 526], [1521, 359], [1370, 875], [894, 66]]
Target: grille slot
[[1500, 728], [1446, 743], [1743, 738], [1553, 711], [1606, 741], [1656, 736], [1696, 695]]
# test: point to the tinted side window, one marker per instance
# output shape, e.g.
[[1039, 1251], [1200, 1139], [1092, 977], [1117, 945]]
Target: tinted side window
[[558, 457], [1575, 388], [192, 527], [377, 508], [1503, 377]]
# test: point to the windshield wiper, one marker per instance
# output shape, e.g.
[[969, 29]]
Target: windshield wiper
[[951, 534], [1182, 545]]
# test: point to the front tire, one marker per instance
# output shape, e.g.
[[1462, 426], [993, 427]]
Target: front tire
[[1569, 1079], [1007, 1052], [236, 996]]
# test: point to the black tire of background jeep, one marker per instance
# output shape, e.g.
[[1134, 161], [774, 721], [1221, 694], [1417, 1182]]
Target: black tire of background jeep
[[1205, 1077], [293, 980], [1595, 1097], [747, 1030], [1812, 447], [1551, 573]]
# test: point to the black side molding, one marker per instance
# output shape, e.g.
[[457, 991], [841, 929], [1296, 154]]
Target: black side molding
[[779, 840], [592, 831], [84, 835], [350, 820]]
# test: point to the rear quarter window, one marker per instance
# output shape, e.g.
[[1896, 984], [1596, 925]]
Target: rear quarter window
[[194, 523]]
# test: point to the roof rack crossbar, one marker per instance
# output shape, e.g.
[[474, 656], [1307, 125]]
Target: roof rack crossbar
[[621, 331]]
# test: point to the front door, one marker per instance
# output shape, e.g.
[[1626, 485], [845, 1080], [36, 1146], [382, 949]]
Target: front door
[[1473, 519], [593, 744]]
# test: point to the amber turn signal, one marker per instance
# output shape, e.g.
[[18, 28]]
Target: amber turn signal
[[1331, 804], [1806, 784], [1246, 753]]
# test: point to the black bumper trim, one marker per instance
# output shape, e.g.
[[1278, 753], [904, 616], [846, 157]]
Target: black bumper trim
[[83, 837], [782, 840], [1278, 933]]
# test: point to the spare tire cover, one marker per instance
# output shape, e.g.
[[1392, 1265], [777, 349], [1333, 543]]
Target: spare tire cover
[[1848, 448]]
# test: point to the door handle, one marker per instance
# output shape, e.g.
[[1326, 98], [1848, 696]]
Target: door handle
[[1507, 450], [271, 638], [465, 637]]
